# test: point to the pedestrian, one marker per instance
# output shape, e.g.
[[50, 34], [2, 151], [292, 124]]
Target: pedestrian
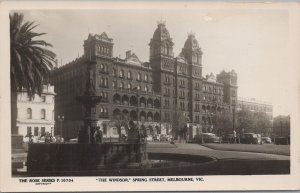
[[98, 135], [234, 136]]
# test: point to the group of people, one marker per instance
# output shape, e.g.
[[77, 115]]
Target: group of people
[[45, 138]]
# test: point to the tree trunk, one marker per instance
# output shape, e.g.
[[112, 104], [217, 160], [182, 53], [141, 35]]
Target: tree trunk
[[13, 99]]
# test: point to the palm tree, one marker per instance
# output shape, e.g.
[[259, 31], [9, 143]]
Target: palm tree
[[30, 61]]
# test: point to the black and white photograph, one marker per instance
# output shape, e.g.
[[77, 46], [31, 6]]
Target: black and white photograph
[[150, 95]]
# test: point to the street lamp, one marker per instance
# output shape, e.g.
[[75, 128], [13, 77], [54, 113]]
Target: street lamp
[[60, 119], [233, 121], [137, 105]]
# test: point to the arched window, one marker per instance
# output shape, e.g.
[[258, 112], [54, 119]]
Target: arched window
[[129, 75], [121, 85], [43, 114], [114, 72], [114, 84], [138, 87], [29, 113], [146, 77], [146, 88], [129, 86], [139, 76], [121, 73]]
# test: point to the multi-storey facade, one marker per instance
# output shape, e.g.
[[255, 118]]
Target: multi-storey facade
[[146, 92], [254, 105], [35, 116]]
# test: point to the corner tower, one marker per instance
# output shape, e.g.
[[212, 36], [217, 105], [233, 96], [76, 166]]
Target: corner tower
[[161, 56], [98, 45], [193, 55]]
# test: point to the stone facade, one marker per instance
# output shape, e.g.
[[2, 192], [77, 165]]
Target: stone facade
[[254, 105], [146, 92], [36, 115]]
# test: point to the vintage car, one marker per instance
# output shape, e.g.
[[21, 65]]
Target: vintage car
[[228, 138], [251, 138], [266, 140], [210, 138], [282, 140]]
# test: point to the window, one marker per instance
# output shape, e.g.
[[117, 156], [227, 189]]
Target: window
[[43, 131], [29, 113], [138, 87], [43, 98], [129, 86], [146, 77], [121, 85], [105, 95], [36, 131], [167, 79], [114, 84], [114, 72], [43, 114], [129, 75], [115, 131], [139, 76], [167, 103], [105, 82], [121, 73], [28, 132], [146, 88]]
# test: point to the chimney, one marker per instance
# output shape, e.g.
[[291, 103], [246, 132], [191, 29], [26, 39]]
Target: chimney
[[128, 54]]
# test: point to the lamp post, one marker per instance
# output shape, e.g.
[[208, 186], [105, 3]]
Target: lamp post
[[60, 119], [137, 105], [160, 115], [233, 121]]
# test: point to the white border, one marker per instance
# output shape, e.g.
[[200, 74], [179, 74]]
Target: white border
[[264, 182]]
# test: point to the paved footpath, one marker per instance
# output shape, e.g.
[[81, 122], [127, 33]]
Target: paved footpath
[[196, 149]]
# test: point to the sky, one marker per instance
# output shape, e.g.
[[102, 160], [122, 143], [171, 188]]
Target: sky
[[252, 42]]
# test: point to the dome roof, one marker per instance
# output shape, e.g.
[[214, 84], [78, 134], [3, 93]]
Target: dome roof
[[191, 43], [161, 32]]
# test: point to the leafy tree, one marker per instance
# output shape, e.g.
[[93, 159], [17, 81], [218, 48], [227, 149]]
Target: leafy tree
[[244, 121], [223, 123], [256, 122], [262, 123], [119, 123], [30, 62], [179, 124]]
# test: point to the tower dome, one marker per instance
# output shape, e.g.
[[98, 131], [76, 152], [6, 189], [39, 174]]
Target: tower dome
[[161, 43], [161, 32], [192, 51], [191, 43]]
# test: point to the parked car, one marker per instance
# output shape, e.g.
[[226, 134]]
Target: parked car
[[251, 138], [210, 138], [164, 137], [282, 140], [75, 140], [266, 140], [155, 137], [228, 138]]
